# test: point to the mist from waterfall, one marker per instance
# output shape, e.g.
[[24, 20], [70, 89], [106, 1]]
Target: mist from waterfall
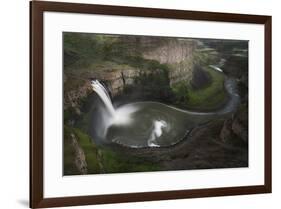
[[111, 116]]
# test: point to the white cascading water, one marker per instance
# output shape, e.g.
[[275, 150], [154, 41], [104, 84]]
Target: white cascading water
[[103, 94], [119, 116]]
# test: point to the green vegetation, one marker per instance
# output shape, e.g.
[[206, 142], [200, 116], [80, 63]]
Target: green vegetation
[[99, 159], [139, 62], [181, 91], [90, 150], [205, 57], [69, 154], [104, 55], [210, 95], [81, 49], [87, 146], [85, 51], [114, 162], [208, 98], [87, 56]]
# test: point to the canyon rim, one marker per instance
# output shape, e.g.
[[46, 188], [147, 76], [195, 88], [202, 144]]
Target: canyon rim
[[147, 103]]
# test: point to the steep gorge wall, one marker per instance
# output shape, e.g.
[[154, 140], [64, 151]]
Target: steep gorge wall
[[178, 54], [117, 79]]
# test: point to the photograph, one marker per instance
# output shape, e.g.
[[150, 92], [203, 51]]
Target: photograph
[[176, 103], [134, 103]]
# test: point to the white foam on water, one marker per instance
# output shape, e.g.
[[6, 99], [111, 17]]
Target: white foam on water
[[157, 131]]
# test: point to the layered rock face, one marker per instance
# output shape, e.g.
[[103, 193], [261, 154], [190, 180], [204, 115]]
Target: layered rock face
[[117, 79], [172, 51], [80, 158], [177, 54]]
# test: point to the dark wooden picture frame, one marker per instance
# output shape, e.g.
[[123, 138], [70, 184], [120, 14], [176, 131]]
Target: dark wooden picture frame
[[37, 9]]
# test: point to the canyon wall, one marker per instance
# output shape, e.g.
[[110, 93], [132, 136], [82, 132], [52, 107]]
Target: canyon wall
[[177, 54]]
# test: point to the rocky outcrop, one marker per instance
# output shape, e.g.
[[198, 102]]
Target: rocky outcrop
[[181, 72], [73, 97], [178, 54], [172, 51], [236, 126], [80, 158], [226, 132], [240, 127], [117, 79], [200, 78]]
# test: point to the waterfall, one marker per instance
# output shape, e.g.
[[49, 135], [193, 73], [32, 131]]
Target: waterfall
[[103, 94], [119, 116]]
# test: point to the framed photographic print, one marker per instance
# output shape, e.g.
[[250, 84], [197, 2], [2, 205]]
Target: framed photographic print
[[138, 104]]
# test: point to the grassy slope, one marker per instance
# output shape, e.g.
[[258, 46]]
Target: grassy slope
[[68, 154], [90, 150], [114, 162], [99, 159], [208, 98]]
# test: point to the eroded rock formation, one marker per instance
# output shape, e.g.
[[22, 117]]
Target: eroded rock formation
[[236, 126], [80, 158], [178, 54]]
